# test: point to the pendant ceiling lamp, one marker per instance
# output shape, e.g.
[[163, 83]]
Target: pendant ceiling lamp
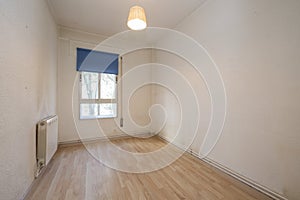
[[137, 18]]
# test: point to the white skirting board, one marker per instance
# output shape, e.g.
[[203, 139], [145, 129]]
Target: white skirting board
[[239, 177], [243, 179], [98, 139]]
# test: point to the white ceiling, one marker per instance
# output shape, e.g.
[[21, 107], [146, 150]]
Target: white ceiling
[[108, 17]]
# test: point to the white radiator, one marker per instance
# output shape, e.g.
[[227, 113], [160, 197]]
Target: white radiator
[[46, 138]]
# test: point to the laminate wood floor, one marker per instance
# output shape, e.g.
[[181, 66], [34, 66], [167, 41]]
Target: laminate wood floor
[[75, 174]]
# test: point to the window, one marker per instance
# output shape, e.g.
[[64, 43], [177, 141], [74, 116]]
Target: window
[[98, 95]]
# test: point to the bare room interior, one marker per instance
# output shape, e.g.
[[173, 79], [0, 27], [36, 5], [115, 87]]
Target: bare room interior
[[148, 99]]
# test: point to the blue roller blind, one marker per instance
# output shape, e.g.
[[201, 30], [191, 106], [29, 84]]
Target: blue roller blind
[[97, 61]]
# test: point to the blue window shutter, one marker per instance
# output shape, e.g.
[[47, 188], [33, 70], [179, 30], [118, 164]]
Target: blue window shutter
[[97, 61]]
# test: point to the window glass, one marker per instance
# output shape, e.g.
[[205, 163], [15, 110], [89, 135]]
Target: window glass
[[89, 85], [89, 110], [108, 109], [108, 86]]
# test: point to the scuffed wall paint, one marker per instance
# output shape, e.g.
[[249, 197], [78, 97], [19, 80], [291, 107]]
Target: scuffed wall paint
[[28, 82]]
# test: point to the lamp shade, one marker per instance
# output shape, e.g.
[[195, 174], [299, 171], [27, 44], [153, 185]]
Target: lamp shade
[[137, 18]]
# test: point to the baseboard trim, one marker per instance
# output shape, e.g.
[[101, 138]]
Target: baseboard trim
[[176, 145], [244, 179], [36, 180], [102, 139], [232, 173]]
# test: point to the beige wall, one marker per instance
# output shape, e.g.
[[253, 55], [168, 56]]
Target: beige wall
[[28, 62], [168, 99], [175, 104], [256, 46], [68, 100], [136, 98]]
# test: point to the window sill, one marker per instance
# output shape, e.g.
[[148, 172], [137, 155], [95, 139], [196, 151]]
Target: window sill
[[98, 117]]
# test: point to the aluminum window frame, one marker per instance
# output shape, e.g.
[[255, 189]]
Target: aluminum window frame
[[99, 100]]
